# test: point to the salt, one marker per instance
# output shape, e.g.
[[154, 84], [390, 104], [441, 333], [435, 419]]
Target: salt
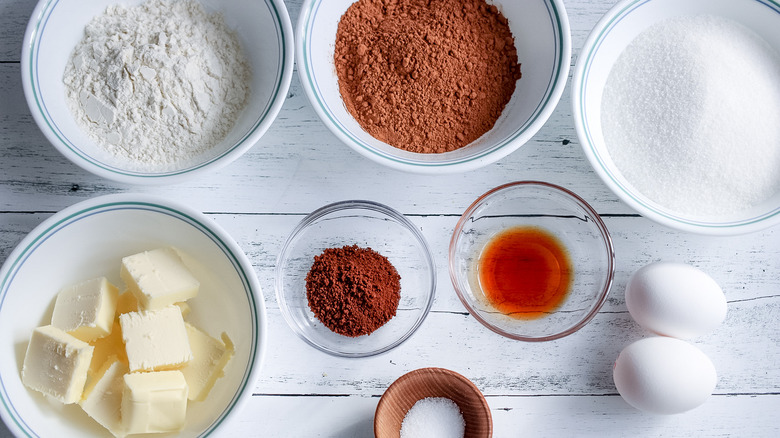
[[433, 417], [690, 116]]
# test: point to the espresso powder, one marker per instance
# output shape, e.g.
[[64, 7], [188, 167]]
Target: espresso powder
[[426, 76], [352, 290]]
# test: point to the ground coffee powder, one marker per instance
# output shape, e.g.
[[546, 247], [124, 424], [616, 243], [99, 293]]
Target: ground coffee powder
[[426, 76], [353, 291]]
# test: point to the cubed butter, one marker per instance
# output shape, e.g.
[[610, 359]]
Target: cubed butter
[[86, 310], [209, 359], [56, 364], [102, 398], [185, 309], [158, 278], [155, 339], [127, 302], [154, 402], [105, 347]]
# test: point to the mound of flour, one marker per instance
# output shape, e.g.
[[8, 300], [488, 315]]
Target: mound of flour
[[159, 83]]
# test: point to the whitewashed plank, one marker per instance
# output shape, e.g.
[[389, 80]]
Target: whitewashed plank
[[745, 348], [352, 417], [746, 267], [14, 15], [297, 165], [586, 416]]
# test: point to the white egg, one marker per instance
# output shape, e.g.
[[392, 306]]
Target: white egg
[[664, 375], [675, 299]]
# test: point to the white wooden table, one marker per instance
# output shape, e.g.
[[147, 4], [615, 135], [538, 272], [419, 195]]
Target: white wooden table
[[560, 388]]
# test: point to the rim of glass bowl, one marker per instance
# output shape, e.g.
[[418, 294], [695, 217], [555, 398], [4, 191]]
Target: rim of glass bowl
[[348, 205], [603, 232], [555, 87], [48, 126], [580, 79]]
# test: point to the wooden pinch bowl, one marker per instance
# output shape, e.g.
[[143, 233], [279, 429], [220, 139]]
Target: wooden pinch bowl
[[416, 385]]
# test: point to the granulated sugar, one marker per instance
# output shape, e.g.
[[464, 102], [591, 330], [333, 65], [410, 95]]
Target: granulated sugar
[[690, 116], [433, 417]]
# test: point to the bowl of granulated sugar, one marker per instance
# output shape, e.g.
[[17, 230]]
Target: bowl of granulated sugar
[[433, 87], [675, 105], [156, 91]]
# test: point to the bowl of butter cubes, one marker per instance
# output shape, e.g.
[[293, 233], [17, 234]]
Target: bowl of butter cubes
[[127, 314]]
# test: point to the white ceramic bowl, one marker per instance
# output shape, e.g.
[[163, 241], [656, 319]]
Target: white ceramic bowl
[[610, 36], [542, 38], [88, 240], [264, 30]]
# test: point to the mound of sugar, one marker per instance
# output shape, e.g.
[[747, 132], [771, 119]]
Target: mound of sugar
[[690, 115], [433, 417]]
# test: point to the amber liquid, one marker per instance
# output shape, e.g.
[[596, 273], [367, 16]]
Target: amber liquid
[[525, 272]]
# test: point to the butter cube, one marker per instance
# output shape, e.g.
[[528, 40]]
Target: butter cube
[[154, 402], [185, 308], [158, 278], [105, 347], [86, 310], [209, 359], [155, 339], [56, 364], [102, 398]]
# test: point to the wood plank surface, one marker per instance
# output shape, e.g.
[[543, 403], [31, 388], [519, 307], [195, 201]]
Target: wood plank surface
[[560, 388]]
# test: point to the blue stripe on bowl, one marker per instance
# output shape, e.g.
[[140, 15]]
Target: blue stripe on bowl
[[555, 20], [34, 66], [61, 223], [774, 6]]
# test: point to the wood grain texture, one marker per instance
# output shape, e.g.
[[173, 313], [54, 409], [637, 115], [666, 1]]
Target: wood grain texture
[[560, 388]]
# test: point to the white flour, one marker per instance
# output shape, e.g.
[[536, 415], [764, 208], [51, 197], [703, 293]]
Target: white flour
[[159, 83]]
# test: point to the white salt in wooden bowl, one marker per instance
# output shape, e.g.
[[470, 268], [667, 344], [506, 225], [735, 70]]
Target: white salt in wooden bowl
[[543, 42], [608, 39], [88, 240], [56, 26], [416, 385]]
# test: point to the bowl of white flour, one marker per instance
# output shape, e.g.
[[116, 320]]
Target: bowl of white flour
[[156, 91], [675, 105]]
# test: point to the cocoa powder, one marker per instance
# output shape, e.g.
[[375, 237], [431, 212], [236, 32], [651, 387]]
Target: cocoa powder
[[352, 290], [426, 76]]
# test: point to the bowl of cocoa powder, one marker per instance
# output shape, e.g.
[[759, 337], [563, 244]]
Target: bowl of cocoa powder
[[355, 279], [433, 87]]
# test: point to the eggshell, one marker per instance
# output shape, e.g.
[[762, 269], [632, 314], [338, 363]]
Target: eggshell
[[675, 299], [664, 375]]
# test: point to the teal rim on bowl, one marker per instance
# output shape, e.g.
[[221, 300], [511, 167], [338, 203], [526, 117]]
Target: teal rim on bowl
[[632, 17]]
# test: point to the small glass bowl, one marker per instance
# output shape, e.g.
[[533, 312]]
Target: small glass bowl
[[555, 210], [368, 225]]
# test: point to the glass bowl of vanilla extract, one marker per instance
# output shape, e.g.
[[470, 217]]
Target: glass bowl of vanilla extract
[[531, 261]]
